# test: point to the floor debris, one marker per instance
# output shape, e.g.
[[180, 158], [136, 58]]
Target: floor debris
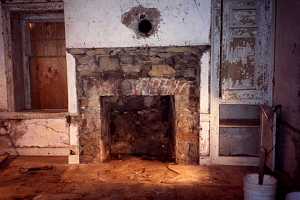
[[35, 169], [131, 179]]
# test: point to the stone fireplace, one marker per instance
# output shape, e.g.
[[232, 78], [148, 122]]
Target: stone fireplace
[[139, 101]]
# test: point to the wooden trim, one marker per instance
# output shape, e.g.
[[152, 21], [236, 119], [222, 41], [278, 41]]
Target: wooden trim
[[237, 123], [48, 17], [39, 151], [8, 59], [267, 54], [205, 160], [205, 82], [27, 18], [21, 6], [72, 90], [204, 117], [204, 133], [240, 161], [240, 101], [238, 126], [29, 1], [49, 6], [26, 49], [3, 79], [32, 115], [204, 139], [215, 79]]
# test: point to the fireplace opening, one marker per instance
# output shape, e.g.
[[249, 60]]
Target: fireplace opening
[[140, 126]]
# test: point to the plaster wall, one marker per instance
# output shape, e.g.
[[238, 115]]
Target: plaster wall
[[17, 135], [97, 23], [287, 84]]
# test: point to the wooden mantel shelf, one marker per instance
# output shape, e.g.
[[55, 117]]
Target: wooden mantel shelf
[[40, 114]]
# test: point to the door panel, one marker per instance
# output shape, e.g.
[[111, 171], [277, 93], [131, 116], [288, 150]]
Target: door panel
[[48, 68], [48, 83], [241, 78]]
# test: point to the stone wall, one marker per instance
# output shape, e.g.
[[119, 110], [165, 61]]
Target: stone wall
[[165, 71]]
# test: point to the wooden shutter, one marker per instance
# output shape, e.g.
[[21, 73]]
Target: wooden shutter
[[243, 76]]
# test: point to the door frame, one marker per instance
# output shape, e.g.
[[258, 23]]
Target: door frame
[[28, 18], [7, 10], [215, 87]]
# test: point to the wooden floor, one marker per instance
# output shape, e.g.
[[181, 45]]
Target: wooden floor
[[129, 179]]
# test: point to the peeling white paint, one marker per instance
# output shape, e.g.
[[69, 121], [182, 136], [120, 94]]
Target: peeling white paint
[[42, 133], [97, 23], [74, 135], [72, 92], [204, 139], [204, 83]]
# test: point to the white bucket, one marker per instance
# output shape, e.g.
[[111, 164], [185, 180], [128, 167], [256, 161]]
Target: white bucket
[[293, 196], [254, 191]]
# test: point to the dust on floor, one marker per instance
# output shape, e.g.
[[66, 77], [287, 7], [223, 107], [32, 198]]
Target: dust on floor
[[130, 179]]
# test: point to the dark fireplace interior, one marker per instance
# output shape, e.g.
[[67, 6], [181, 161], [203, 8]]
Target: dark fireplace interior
[[140, 126]]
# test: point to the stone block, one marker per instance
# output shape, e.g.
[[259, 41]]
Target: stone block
[[84, 59], [188, 73], [126, 87], [108, 63], [162, 71], [142, 59], [83, 67], [86, 69], [93, 52], [156, 60], [127, 59], [77, 51], [115, 52], [131, 68]]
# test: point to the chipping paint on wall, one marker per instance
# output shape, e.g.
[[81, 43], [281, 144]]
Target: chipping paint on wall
[[38, 133], [98, 23]]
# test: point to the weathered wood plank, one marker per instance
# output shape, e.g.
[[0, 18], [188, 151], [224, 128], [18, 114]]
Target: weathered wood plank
[[36, 6]]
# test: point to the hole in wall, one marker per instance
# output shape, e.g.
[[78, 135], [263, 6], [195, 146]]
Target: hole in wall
[[142, 16], [143, 21], [145, 26]]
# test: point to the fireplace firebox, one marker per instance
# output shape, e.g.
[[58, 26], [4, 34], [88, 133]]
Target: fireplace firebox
[[139, 126]]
